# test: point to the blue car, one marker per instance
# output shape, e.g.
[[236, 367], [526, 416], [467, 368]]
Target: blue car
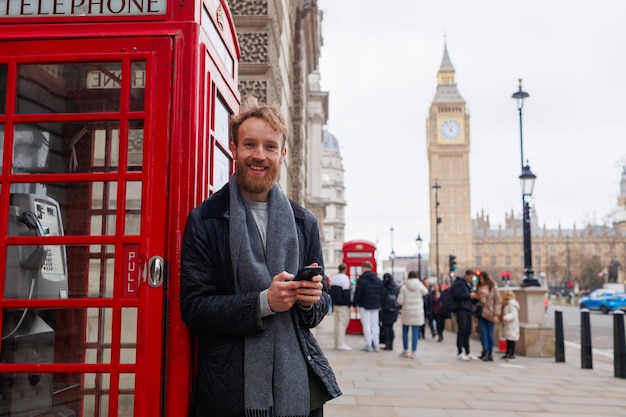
[[604, 300]]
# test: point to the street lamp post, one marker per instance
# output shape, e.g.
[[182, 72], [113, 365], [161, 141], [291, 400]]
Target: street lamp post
[[418, 243], [392, 255], [528, 182], [437, 187]]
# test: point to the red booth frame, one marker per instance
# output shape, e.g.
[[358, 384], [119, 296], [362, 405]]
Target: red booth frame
[[199, 76]]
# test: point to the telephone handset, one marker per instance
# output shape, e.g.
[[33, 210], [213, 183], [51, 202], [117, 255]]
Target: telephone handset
[[32, 257]]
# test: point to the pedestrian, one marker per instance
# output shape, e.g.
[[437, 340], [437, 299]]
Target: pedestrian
[[488, 315], [429, 316], [340, 295], [241, 248], [510, 322], [411, 300], [367, 298], [438, 312], [389, 311], [465, 298]]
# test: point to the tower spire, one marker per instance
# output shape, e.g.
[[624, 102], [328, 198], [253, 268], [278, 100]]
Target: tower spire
[[446, 83], [446, 64]]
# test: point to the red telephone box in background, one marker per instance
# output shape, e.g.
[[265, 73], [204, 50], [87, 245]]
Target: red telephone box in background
[[355, 252], [113, 126]]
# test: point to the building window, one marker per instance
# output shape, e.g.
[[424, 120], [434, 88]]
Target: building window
[[338, 256], [493, 261], [538, 261], [477, 249], [508, 261], [507, 248], [479, 261]]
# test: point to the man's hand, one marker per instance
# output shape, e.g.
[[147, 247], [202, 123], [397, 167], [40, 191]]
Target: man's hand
[[283, 292]]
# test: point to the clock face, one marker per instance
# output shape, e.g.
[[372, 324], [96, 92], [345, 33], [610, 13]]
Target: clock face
[[450, 129]]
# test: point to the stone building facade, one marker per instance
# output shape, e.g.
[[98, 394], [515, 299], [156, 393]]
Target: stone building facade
[[334, 223], [586, 256], [280, 43], [559, 255]]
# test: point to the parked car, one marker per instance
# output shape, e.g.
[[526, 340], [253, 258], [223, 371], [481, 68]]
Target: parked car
[[604, 300]]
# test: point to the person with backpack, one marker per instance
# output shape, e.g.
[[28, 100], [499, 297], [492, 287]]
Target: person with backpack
[[367, 297], [464, 296], [411, 300], [389, 311]]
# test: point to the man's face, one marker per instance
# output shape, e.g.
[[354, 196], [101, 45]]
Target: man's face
[[469, 278], [259, 153]]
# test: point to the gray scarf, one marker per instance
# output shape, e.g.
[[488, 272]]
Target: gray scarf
[[275, 372]]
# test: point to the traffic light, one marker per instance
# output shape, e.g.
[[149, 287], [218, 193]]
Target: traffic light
[[452, 262]]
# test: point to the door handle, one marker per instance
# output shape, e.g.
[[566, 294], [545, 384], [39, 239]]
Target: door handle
[[155, 271]]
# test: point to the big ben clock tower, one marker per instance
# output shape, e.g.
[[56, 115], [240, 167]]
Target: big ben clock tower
[[448, 139]]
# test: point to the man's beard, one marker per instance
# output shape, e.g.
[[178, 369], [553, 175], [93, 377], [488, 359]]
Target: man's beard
[[257, 185]]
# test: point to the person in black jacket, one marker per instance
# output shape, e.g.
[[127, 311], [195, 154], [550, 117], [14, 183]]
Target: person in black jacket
[[389, 311], [240, 251], [464, 296], [367, 297]]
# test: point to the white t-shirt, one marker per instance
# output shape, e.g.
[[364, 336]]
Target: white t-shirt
[[340, 280]]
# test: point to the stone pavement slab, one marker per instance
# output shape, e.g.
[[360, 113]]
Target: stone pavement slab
[[436, 384]]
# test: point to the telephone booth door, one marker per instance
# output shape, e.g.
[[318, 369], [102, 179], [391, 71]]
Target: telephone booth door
[[84, 129]]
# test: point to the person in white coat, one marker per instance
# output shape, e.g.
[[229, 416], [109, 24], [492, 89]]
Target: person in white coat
[[411, 300], [510, 322]]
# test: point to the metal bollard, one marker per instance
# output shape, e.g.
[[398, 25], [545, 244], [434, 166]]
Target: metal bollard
[[619, 345], [559, 341], [586, 360]]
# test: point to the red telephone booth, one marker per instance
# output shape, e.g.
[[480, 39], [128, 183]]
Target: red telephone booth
[[355, 252], [113, 125]]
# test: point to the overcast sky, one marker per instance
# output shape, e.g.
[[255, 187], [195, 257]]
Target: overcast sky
[[379, 64]]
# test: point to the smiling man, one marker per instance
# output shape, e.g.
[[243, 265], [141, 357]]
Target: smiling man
[[241, 249]]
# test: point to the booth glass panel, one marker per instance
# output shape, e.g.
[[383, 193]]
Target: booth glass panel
[[59, 272], [222, 116], [76, 147], [77, 208], [132, 224], [76, 335], [76, 87], [135, 145], [4, 71], [138, 86], [67, 394]]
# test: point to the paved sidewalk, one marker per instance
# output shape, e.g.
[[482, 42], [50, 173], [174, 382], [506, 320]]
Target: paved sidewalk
[[436, 384]]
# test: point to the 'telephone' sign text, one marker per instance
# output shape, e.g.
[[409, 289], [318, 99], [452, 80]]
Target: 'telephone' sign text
[[68, 8]]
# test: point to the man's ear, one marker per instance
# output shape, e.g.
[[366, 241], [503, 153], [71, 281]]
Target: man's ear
[[233, 147]]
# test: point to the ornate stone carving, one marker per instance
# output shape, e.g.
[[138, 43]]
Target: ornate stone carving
[[254, 47], [248, 7], [256, 88]]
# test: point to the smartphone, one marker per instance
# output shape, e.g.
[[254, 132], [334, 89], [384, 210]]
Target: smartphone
[[308, 272]]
